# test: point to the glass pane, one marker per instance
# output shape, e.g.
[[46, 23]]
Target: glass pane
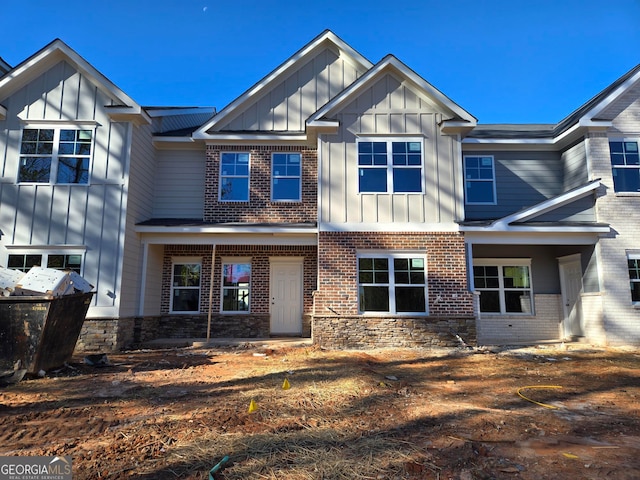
[[381, 264], [410, 299], [55, 261], [635, 291], [373, 180], [516, 277], [83, 149], [234, 189], [67, 135], [374, 299], [407, 180], [186, 275], [286, 189], [235, 275], [29, 135], [36, 169], [630, 147], [28, 148], [517, 301], [632, 159], [490, 301], [66, 148], [380, 159], [45, 135], [15, 262], [73, 170], [45, 148], [367, 147], [365, 263], [479, 192], [626, 179], [379, 147], [186, 300], [617, 158], [634, 269], [235, 300]]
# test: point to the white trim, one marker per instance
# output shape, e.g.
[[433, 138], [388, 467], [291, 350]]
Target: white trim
[[298, 177], [230, 260], [176, 111], [179, 260], [493, 179], [389, 227], [325, 37], [612, 97], [528, 237], [247, 176], [501, 289]]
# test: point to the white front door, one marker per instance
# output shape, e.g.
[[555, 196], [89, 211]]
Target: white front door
[[571, 286], [286, 296]]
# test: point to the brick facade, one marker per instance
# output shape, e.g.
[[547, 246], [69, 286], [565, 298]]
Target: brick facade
[[260, 208], [336, 319]]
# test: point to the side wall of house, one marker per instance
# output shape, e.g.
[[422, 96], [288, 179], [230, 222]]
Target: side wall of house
[[43, 216]]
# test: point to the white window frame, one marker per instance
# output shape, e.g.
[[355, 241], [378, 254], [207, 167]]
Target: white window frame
[[391, 284], [185, 261], [277, 176], [390, 167], [223, 175], [624, 167], [44, 255], [500, 263], [468, 181], [235, 261], [633, 256], [55, 155]]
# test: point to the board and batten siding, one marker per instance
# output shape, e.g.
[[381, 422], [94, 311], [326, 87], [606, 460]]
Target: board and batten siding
[[179, 184], [46, 216], [389, 109], [287, 105], [523, 179]]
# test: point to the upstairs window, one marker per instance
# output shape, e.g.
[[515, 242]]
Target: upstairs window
[[625, 165], [390, 166], [479, 180], [504, 285], [286, 177], [393, 283], [234, 177], [49, 155]]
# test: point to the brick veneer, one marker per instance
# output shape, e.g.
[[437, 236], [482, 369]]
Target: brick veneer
[[260, 208], [336, 320]]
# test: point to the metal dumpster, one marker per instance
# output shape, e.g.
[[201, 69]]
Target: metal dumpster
[[40, 332]]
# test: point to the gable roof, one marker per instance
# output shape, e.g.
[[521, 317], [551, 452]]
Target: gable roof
[[521, 219], [124, 107], [4, 67], [459, 116], [584, 116], [325, 38]]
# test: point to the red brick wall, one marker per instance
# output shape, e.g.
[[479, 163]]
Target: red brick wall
[[446, 269], [260, 208]]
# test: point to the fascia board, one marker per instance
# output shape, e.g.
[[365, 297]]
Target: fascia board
[[254, 91], [530, 238], [54, 52], [612, 97], [301, 139], [226, 230], [547, 205]]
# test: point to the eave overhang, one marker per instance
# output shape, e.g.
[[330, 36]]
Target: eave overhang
[[135, 115]]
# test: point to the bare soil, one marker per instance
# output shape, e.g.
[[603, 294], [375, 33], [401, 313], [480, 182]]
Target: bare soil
[[376, 414]]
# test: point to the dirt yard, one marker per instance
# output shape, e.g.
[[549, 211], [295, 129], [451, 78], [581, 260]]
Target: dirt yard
[[377, 414]]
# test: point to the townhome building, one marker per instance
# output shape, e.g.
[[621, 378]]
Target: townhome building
[[337, 199]]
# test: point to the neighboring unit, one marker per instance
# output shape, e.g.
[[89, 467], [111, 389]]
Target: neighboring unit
[[336, 199]]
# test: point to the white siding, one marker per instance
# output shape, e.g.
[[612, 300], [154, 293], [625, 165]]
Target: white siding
[[87, 216], [388, 108], [287, 105]]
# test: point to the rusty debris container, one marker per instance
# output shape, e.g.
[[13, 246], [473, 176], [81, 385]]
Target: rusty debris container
[[40, 332]]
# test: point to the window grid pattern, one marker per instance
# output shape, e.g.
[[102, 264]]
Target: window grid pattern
[[185, 287], [625, 165], [236, 287], [234, 177], [390, 166], [286, 177], [504, 289], [634, 278], [479, 177], [24, 262]]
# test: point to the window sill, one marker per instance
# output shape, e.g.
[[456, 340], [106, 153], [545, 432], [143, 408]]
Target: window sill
[[627, 194]]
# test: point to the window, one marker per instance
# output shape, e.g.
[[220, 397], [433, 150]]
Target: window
[[392, 283], [504, 285], [236, 285], [24, 262], [625, 165], [479, 180], [185, 285], [390, 166], [634, 276], [234, 177], [49, 155], [285, 177]]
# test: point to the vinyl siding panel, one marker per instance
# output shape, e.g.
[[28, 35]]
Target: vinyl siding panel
[[575, 166], [523, 179], [179, 184], [287, 105], [388, 108]]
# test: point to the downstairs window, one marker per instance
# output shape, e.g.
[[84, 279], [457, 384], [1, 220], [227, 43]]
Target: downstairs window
[[504, 285]]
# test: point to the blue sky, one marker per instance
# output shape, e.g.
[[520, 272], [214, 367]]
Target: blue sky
[[506, 61]]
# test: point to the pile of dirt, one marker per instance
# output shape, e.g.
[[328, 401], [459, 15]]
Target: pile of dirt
[[268, 412]]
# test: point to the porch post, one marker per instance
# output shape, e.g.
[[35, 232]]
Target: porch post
[[213, 262]]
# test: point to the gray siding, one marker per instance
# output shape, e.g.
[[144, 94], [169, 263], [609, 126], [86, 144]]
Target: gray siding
[[575, 166], [179, 184], [582, 210], [523, 179]]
